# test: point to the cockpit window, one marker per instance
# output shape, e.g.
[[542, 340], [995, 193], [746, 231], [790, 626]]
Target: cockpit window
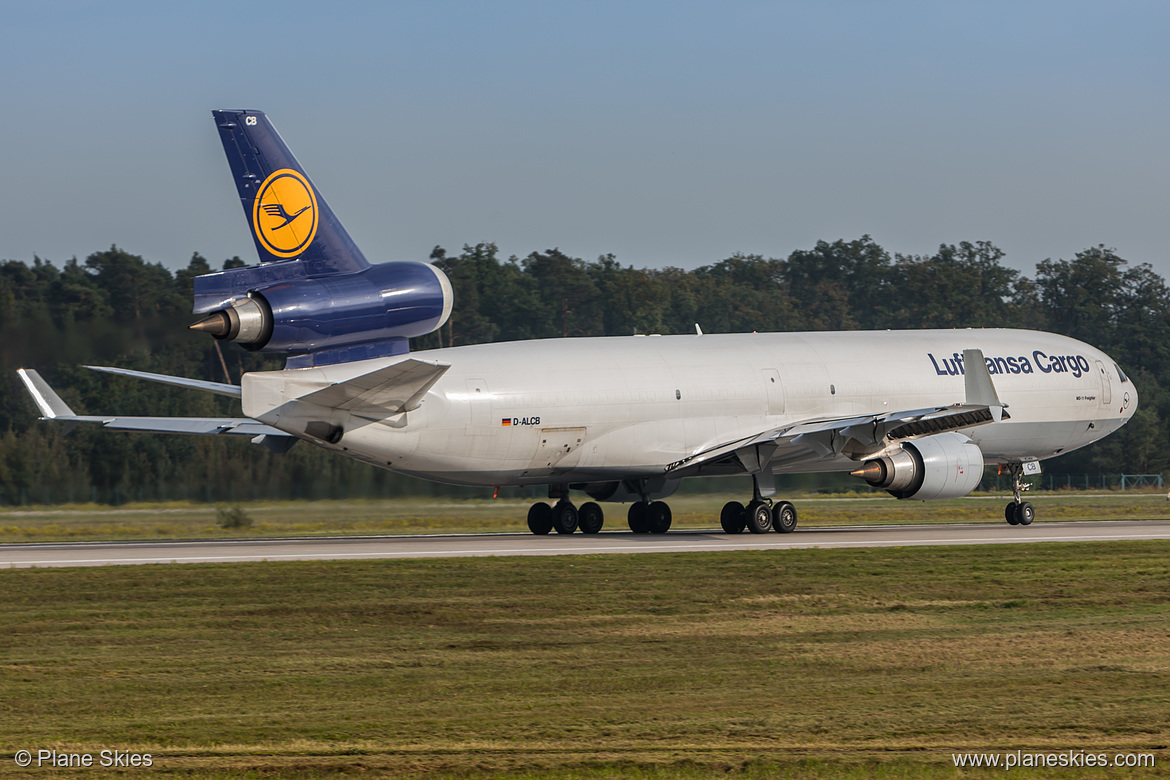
[[1120, 374]]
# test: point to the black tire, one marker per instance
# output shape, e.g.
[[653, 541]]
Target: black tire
[[564, 517], [590, 518], [1026, 513], [540, 518], [784, 517], [1010, 515], [659, 517], [732, 518], [759, 517], [638, 517]]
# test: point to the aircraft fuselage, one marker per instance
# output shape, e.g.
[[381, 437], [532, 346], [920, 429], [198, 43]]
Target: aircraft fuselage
[[594, 409]]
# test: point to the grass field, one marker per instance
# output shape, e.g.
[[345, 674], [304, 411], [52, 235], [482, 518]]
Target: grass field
[[417, 515], [798, 663]]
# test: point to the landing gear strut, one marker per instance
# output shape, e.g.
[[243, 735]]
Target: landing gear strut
[[1018, 512]]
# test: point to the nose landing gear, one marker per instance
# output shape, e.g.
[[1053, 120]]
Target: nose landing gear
[[1019, 512]]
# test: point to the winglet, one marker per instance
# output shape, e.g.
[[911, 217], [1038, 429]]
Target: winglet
[[46, 399], [978, 385]]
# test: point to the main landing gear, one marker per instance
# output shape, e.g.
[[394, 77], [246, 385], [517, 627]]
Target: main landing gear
[[1019, 512], [644, 517], [759, 517], [565, 518], [654, 517]]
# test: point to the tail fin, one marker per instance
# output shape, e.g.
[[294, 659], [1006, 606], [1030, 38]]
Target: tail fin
[[287, 215]]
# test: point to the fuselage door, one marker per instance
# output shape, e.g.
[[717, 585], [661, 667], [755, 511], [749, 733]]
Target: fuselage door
[[774, 391], [1106, 385]]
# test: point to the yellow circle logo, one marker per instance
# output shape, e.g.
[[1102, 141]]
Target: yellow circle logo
[[284, 214]]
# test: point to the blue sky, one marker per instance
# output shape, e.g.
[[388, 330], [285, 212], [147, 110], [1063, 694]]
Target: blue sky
[[667, 133]]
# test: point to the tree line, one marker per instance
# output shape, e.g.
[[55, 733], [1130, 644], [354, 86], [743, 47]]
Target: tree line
[[116, 308]]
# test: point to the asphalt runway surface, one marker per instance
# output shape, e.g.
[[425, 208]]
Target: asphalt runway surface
[[612, 542]]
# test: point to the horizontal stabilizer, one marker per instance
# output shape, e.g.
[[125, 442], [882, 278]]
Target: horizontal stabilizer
[[232, 391], [394, 389]]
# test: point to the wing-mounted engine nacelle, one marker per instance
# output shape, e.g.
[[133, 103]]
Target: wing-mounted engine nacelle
[[948, 465], [388, 301]]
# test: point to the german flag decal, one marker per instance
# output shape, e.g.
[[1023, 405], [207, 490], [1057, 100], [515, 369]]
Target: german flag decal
[[506, 421]]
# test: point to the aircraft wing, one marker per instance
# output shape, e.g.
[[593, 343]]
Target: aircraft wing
[[232, 391], [859, 436], [53, 408]]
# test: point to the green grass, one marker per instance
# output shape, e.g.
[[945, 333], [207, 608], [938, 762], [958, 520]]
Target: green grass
[[799, 663], [418, 515]]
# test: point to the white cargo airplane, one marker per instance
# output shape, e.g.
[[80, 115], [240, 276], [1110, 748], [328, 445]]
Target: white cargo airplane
[[918, 413]]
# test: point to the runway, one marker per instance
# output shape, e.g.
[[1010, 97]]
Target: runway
[[606, 543]]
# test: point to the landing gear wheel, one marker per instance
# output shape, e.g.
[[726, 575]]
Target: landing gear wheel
[[564, 517], [1020, 513], [1025, 513], [590, 518], [658, 518], [759, 517], [784, 517], [540, 518], [638, 517], [732, 518]]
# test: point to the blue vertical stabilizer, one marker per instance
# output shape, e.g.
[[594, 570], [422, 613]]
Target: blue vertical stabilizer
[[286, 214]]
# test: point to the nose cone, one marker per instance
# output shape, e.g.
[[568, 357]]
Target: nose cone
[[1125, 395]]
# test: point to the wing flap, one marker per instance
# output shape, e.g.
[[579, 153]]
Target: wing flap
[[204, 426]]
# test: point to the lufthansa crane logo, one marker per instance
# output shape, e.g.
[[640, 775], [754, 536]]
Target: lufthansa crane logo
[[284, 214]]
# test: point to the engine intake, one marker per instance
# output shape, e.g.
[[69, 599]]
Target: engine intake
[[933, 468]]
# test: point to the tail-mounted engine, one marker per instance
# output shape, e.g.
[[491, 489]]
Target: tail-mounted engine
[[382, 304], [948, 465]]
